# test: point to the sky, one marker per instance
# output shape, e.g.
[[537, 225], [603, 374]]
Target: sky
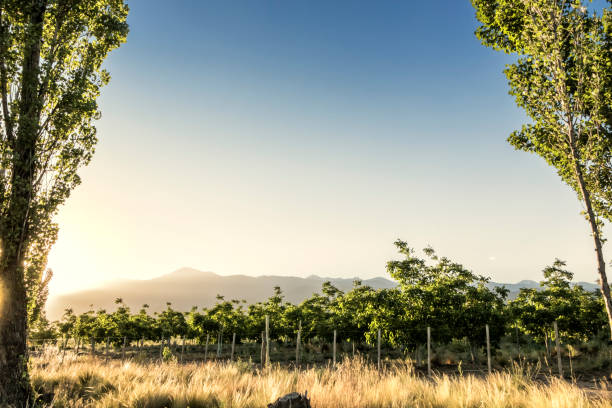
[[296, 138]]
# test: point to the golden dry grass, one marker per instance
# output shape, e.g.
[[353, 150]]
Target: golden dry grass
[[90, 382]]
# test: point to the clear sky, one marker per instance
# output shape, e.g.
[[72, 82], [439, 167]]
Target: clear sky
[[304, 137]]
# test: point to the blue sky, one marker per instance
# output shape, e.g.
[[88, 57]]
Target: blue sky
[[298, 138]]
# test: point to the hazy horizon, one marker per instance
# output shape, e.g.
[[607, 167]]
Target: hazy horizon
[[299, 139], [120, 279]]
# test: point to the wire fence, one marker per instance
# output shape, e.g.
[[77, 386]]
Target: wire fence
[[323, 349]]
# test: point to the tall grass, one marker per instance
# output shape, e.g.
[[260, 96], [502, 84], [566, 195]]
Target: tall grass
[[91, 382]]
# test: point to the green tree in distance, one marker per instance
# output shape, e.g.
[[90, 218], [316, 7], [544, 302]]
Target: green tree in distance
[[579, 313], [199, 324], [143, 324], [51, 52], [171, 322], [67, 324], [445, 295], [563, 81]]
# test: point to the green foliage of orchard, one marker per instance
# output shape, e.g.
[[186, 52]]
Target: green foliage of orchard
[[445, 295], [433, 291], [580, 314]]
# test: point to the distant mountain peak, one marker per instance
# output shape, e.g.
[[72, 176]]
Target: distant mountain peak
[[186, 273], [528, 281]]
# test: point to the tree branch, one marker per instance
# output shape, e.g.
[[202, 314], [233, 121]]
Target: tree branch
[[6, 115]]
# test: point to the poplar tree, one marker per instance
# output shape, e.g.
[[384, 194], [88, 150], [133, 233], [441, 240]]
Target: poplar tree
[[51, 54], [562, 78]]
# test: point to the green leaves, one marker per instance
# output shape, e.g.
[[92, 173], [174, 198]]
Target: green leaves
[[51, 54], [579, 313], [563, 82], [445, 295]]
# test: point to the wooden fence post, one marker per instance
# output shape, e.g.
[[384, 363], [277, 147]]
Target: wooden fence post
[[267, 340], [378, 359], [297, 345], [106, 348], [182, 349], [488, 349], [263, 346], [206, 347], [93, 346], [559, 361], [219, 343], [123, 348], [161, 348], [429, 351], [233, 345], [334, 349], [518, 343], [64, 350]]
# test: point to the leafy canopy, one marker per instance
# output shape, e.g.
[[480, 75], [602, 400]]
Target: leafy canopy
[[562, 78], [51, 73]]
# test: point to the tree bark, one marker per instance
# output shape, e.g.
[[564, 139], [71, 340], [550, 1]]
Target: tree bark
[[15, 389], [14, 380]]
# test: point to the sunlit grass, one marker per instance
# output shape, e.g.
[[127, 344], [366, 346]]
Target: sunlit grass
[[91, 382]]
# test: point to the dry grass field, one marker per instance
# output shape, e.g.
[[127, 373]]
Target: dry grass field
[[93, 382]]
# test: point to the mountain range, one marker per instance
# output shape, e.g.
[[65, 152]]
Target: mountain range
[[187, 287]]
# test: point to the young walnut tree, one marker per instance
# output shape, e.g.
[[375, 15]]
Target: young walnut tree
[[563, 80], [51, 53]]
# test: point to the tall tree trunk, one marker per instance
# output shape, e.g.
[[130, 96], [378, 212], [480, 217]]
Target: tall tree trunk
[[601, 264], [15, 389]]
